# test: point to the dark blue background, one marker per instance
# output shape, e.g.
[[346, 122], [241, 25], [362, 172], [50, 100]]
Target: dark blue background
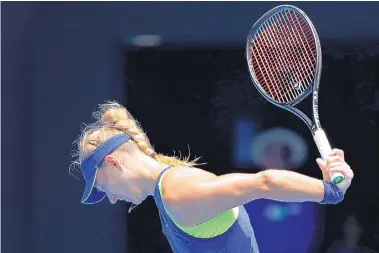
[[59, 60]]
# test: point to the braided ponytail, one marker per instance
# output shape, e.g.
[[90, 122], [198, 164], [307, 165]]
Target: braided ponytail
[[113, 115], [120, 119]]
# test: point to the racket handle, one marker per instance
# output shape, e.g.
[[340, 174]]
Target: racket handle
[[325, 149]]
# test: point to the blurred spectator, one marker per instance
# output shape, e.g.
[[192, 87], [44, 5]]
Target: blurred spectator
[[352, 231], [279, 148], [277, 155]]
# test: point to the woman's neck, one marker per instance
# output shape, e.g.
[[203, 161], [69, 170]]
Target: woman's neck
[[149, 169]]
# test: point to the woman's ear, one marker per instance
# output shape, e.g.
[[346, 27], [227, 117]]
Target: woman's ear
[[110, 159]]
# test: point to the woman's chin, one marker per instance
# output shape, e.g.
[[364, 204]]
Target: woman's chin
[[137, 201]]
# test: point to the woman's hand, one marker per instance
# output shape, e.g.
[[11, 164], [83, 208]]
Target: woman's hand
[[336, 163]]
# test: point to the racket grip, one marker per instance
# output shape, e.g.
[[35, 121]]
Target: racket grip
[[325, 149]]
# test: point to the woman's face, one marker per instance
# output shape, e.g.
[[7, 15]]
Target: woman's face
[[119, 182]]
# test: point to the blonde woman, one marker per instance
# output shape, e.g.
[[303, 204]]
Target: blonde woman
[[199, 211]]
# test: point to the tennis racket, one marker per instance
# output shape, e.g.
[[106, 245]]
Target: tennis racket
[[283, 53]]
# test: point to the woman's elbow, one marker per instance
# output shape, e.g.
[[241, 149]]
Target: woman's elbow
[[266, 182], [256, 186]]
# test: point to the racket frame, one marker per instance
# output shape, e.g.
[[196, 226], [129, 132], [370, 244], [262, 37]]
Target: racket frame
[[315, 126]]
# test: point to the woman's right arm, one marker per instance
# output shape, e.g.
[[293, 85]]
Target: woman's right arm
[[197, 200], [196, 196]]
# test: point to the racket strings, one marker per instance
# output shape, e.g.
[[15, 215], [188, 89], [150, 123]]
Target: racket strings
[[283, 53], [264, 56], [296, 65], [283, 75], [272, 61], [292, 67], [306, 38], [288, 42]]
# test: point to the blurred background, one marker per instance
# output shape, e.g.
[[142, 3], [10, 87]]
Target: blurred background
[[180, 69]]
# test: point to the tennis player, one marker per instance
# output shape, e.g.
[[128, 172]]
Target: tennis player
[[199, 211]]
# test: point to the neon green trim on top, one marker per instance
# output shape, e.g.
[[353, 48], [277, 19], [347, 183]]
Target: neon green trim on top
[[210, 228]]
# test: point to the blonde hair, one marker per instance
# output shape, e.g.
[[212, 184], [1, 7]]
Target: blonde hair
[[112, 119]]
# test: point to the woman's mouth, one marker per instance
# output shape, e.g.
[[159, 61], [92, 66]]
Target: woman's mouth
[[116, 198]]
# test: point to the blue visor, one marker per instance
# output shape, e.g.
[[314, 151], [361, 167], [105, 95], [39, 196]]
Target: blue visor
[[90, 165]]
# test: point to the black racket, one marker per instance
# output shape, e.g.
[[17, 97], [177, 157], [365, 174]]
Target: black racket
[[283, 53]]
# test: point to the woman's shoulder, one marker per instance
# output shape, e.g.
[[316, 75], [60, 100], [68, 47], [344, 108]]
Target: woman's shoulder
[[178, 187], [177, 180], [183, 174]]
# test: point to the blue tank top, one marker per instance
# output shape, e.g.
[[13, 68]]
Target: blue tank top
[[239, 238]]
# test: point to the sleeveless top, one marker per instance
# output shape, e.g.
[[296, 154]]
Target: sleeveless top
[[239, 238], [209, 228]]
